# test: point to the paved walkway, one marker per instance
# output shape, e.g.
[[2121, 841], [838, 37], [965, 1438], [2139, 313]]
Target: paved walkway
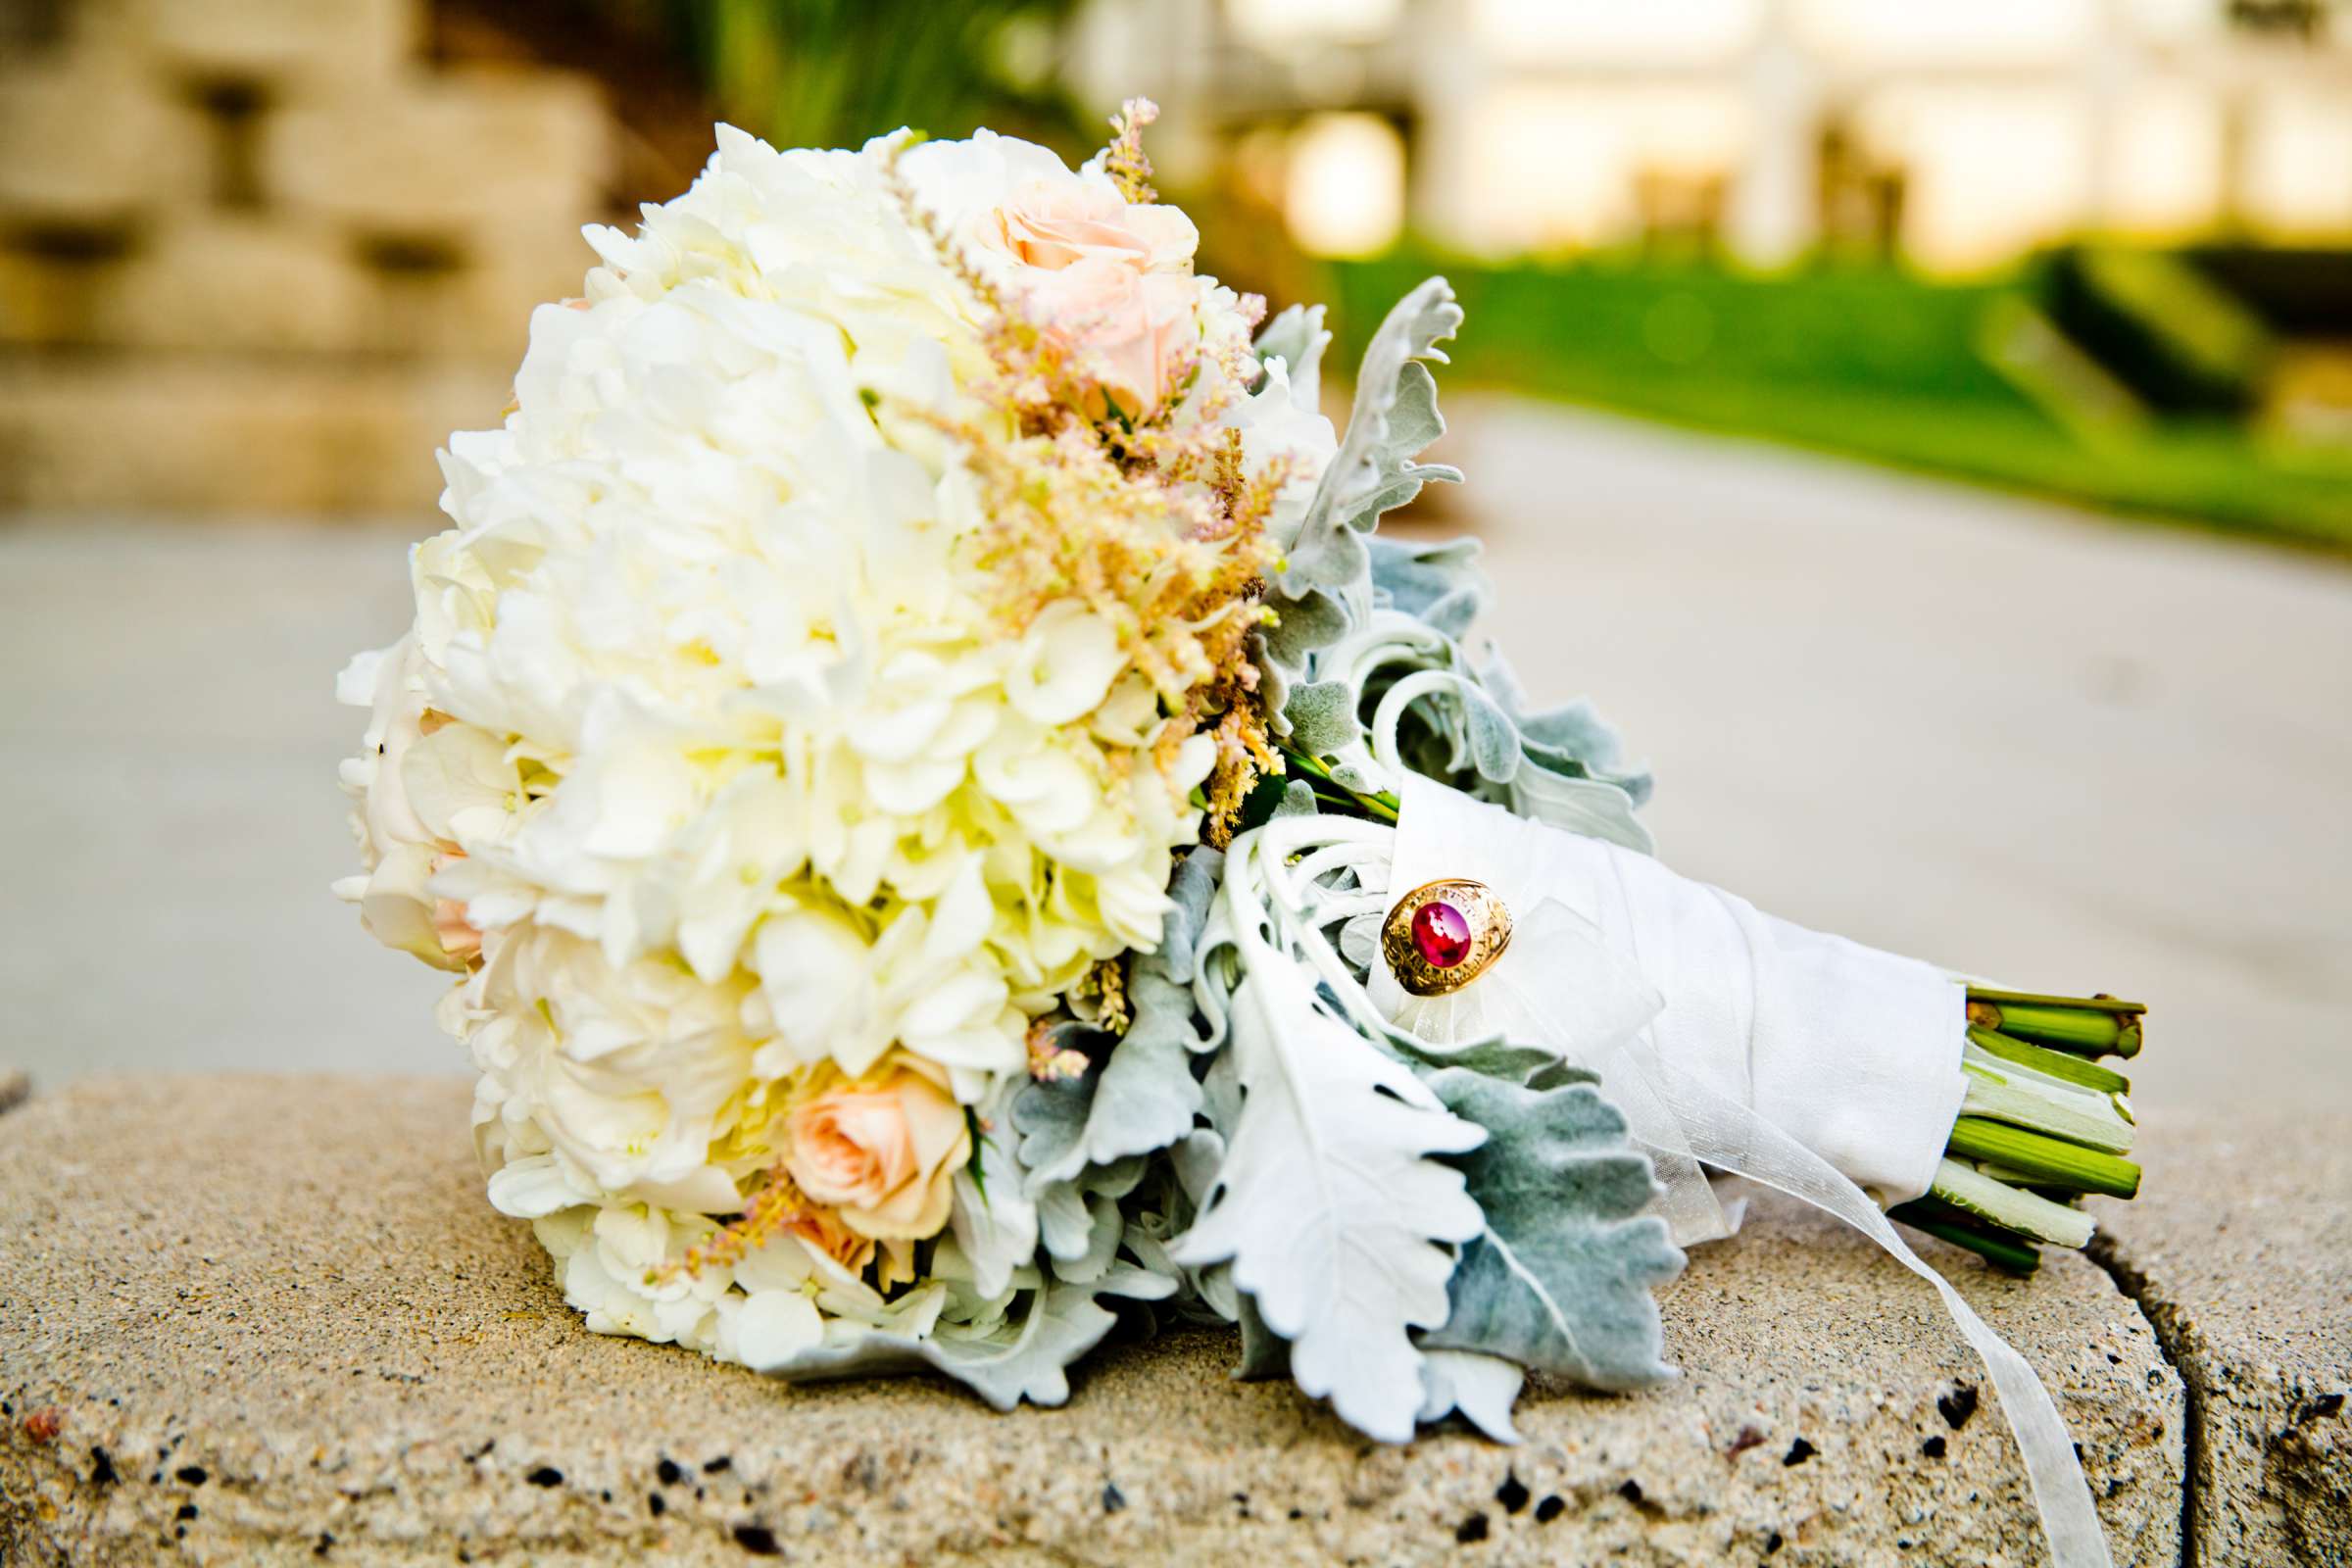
[[168, 736], [2053, 750]]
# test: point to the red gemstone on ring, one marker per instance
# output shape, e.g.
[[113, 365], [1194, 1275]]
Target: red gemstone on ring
[[1442, 933]]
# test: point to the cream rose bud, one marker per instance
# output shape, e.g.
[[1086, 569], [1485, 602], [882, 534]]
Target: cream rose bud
[[1057, 223], [883, 1153], [1113, 278], [399, 909]]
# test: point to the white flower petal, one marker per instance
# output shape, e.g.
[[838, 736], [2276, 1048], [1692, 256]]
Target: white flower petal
[[532, 1187], [953, 1003], [774, 1326], [1064, 666], [910, 789], [963, 917]]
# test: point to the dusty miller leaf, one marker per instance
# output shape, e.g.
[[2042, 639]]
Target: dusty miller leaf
[[1022, 1356], [1140, 1095], [1561, 1276], [1026, 1356], [1325, 586], [1576, 805], [1437, 582], [1075, 1216], [1466, 725], [1297, 338], [1482, 1388], [1570, 739], [1105, 1227], [1329, 1203], [1491, 1057], [1420, 706], [994, 1219], [1396, 416], [1322, 717], [1265, 1355]]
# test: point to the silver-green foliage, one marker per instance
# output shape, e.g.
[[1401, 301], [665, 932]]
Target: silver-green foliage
[[1559, 1273], [1141, 1096], [1401, 1227], [1013, 1349], [1560, 1278], [1365, 659], [1331, 1205]]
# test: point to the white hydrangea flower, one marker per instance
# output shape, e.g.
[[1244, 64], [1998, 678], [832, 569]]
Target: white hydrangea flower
[[780, 1300], [711, 762]]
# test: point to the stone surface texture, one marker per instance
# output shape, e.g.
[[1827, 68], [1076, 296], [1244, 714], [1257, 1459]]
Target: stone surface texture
[[2240, 1250], [265, 1320]]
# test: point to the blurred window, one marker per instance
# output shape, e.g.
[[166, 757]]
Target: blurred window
[[1583, 165], [1601, 33], [1344, 194], [2165, 161], [2297, 174], [1949, 32], [1988, 169], [1281, 26]]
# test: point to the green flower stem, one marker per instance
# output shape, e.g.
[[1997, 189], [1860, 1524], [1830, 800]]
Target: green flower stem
[[2040, 1124], [2040, 998], [2086, 1031], [1380, 808], [2004, 1092], [2022, 1182], [2048, 1161], [2050, 1063], [1338, 801], [1989, 1202], [1948, 1224]]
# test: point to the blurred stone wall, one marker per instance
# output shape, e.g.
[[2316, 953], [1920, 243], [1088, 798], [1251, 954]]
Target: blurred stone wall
[[257, 255]]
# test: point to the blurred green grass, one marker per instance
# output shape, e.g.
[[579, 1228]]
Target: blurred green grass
[[835, 72], [1866, 360]]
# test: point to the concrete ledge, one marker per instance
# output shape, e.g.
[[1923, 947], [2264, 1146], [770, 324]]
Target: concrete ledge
[[273, 1321], [2241, 1251]]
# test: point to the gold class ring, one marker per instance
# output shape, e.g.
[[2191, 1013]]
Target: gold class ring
[[1443, 935]]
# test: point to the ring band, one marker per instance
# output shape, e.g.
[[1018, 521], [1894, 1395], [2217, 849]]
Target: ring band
[[1443, 934]]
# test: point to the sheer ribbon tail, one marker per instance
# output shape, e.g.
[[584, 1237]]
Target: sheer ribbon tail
[[1562, 989], [1728, 1135]]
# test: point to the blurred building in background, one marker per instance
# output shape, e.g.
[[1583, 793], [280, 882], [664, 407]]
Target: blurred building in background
[[1958, 132], [260, 255], [263, 255]]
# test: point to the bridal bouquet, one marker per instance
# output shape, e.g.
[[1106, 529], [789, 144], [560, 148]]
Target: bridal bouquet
[[943, 816]]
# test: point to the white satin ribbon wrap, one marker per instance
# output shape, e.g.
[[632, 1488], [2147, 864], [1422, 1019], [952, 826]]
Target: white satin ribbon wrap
[[1854, 1053], [1803, 1061], [1558, 985]]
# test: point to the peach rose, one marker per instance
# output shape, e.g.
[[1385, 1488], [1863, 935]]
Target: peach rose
[[459, 936], [883, 1151], [821, 1230], [1114, 279]]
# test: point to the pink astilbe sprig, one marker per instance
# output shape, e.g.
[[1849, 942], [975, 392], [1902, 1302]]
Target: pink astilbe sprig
[[1156, 524], [766, 1213], [1124, 160]]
